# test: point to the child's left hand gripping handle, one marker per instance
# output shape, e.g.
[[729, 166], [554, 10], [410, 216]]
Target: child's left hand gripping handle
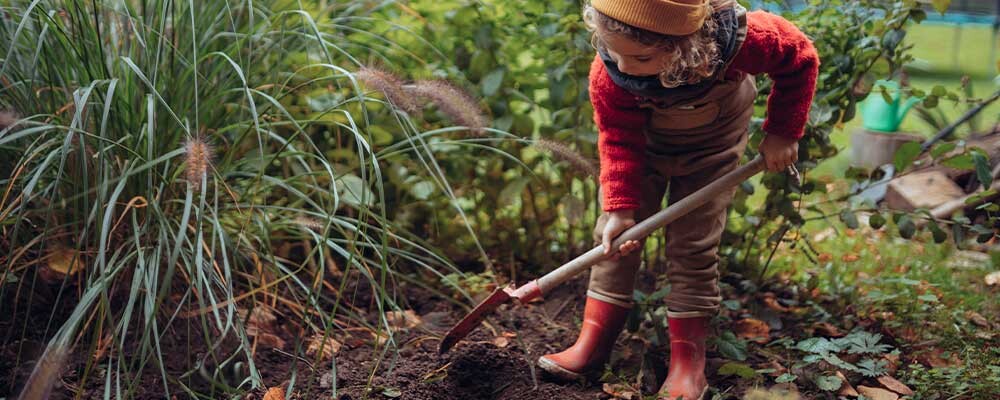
[[642, 229]]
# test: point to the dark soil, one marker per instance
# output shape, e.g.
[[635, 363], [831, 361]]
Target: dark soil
[[495, 362]]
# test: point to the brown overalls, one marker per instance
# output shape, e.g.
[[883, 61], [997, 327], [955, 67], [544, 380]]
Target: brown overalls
[[689, 143]]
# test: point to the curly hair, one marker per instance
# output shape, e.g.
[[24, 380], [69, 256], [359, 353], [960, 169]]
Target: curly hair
[[690, 59]]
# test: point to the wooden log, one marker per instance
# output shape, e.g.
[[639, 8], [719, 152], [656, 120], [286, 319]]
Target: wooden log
[[923, 189]]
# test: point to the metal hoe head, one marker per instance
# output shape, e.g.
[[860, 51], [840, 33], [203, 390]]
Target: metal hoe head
[[472, 320], [523, 294]]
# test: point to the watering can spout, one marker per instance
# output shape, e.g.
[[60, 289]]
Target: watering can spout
[[905, 108]]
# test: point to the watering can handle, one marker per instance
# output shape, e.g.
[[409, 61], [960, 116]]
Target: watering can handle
[[643, 229]]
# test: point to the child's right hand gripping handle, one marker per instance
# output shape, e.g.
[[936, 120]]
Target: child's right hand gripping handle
[[651, 224]]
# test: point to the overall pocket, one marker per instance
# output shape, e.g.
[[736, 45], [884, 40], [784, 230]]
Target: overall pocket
[[684, 117]]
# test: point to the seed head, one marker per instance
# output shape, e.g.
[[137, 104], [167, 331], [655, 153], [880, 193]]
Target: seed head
[[8, 118], [199, 160], [390, 86], [458, 104], [565, 153]]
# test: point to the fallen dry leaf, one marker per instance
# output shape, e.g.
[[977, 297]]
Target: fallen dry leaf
[[752, 329], [326, 347], [771, 301], [845, 387], [827, 329], [62, 261], [978, 319], [262, 325], [993, 278], [402, 319], [268, 340], [877, 393], [850, 257], [824, 257], [274, 394], [935, 358], [894, 385], [501, 342], [891, 363], [620, 391]]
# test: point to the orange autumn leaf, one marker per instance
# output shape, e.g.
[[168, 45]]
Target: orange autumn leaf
[[274, 394], [752, 329]]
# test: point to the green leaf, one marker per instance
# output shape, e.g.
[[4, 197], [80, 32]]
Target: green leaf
[[942, 149], [982, 169], [906, 227], [732, 347], [828, 383], [876, 221], [939, 235], [885, 95], [785, 378], [392, 392], [422, 190], [733, 305], [354, 191], [957, 234], [930, 101], [905, 155], [962, 162], [941, 5], [512, 191], [939, 91], [930, 298], [739, 369], [850, 219], [818, 345], [861, 342], [491, 82], [872, 368]]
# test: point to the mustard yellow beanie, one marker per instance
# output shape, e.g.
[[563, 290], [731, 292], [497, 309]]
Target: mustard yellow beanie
[[668, 17]]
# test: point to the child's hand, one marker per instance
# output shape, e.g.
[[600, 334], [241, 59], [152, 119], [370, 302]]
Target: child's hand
[[618, 222], [779, 152]]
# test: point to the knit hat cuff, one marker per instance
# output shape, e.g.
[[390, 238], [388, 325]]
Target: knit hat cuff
[[666, 17]]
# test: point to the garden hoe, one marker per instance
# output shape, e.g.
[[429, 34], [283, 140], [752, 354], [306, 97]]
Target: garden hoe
[[644, 228]]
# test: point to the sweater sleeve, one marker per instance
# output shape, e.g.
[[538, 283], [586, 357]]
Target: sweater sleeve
[[778, 48], [620, 139]]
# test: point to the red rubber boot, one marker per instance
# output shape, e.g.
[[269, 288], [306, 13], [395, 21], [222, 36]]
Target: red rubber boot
[[602, 322], [686, 374]]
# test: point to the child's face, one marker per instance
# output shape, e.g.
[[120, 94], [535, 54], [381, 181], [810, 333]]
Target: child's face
[[632, 57]]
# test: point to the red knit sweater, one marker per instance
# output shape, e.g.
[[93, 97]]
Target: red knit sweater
[[773, 46]]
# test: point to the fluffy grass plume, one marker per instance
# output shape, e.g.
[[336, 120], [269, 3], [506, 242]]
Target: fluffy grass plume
[[198, 159], [454, 102], [390, 85], [565, 153]]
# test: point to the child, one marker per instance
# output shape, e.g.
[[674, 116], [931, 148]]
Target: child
[[673, 94]]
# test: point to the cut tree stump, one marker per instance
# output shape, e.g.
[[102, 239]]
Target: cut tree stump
[[871, 149], [924, 189]]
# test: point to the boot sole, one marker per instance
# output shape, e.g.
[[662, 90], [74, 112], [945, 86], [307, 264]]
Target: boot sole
[[558, 371]]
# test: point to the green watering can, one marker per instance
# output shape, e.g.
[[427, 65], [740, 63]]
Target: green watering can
[[878, 115]]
